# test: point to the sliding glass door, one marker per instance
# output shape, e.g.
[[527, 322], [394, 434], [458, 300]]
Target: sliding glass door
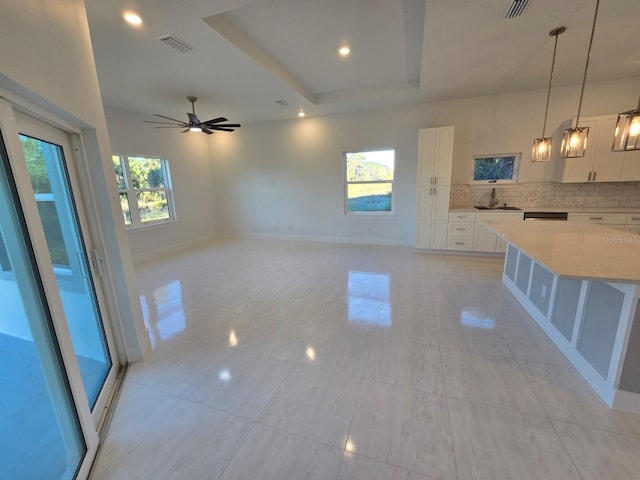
[[41, 435], [45, 150], [58, 359]]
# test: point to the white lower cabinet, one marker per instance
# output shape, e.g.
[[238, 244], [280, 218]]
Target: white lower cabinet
[[461, 230], [465, 231], [485, 240], [628, 222]]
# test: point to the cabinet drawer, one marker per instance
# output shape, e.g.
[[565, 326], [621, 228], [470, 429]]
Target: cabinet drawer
[[633, 219], [600, 218], [459, 243], [632, 229], [461, 229], [462, 217]]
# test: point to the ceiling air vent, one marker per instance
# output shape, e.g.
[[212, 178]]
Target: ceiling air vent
[[516, 8], [176, 43]]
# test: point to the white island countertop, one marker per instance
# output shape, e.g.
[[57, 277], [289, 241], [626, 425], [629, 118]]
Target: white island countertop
[[576, 250]]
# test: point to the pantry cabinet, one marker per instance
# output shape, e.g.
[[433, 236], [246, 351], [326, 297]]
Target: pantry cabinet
[[435, 157]]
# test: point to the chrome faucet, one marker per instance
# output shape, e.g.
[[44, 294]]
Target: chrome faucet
[[494, 201]]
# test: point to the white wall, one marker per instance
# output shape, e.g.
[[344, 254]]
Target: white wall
[[286, 178], [191, 177], [47, 59]]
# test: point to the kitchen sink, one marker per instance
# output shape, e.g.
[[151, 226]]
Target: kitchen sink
[[482, 207]]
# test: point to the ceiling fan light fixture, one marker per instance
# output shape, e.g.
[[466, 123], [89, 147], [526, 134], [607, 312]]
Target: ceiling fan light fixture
[[193, 123], [574, 140], [344, 51], [542, 146], [627, 133]]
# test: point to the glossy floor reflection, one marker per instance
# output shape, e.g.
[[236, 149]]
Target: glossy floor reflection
[[285, 360]]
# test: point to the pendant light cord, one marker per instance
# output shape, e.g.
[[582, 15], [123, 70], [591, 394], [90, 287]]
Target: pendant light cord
[[586, 67], [553, 62]]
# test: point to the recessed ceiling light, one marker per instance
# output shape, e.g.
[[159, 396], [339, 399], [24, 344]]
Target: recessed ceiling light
[[344, 51], [301, 114], [132, 18]]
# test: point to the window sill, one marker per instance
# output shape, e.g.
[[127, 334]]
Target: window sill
[[150, 226], [371, 216]]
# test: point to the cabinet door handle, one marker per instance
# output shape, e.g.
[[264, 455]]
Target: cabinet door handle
[[459, 229], [431, 180], [635, 219], [459, 243], [435, 180], [594, 176], [589, 176], [596, 218]]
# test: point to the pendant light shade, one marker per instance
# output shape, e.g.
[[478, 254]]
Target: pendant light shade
[[542, 146], [627, 134], [574, 140]]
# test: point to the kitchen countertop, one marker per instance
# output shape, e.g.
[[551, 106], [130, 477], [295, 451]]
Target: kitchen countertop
[[557, 209], [576, 250]]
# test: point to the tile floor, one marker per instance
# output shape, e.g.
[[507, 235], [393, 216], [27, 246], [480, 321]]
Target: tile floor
[[286, 361]]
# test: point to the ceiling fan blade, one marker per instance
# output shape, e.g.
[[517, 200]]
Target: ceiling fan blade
[[171, 126], [185, 131], [168, 118], [214, 120], [207, 131], [229, 125], [222, 129], [161, 123]]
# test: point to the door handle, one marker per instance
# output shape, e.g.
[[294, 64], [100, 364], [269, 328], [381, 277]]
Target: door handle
[[96, 262], [594, 176]]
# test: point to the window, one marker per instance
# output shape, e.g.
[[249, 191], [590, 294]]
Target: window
[[500, 168], [145, 189], [369, 182]]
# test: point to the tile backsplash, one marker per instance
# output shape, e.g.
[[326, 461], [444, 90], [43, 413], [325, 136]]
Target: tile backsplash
[[527, 195]]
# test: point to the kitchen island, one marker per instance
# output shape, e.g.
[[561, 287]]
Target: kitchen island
[[581, 284]]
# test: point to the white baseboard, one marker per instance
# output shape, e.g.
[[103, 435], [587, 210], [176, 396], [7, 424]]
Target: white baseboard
[[316, 238]]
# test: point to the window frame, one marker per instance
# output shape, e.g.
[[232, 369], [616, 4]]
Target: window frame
[[516, 168], [365, 213], [131, 192]]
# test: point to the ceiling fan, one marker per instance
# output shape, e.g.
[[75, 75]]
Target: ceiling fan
[[194, 124]]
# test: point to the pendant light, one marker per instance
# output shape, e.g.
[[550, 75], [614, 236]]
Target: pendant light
[[542, 146], [574, 140], [627, 134]]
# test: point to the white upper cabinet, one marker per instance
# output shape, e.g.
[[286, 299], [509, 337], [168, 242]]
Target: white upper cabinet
[[435, 157], [600, 164]]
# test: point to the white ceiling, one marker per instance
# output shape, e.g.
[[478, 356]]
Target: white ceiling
[[250, 53]]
